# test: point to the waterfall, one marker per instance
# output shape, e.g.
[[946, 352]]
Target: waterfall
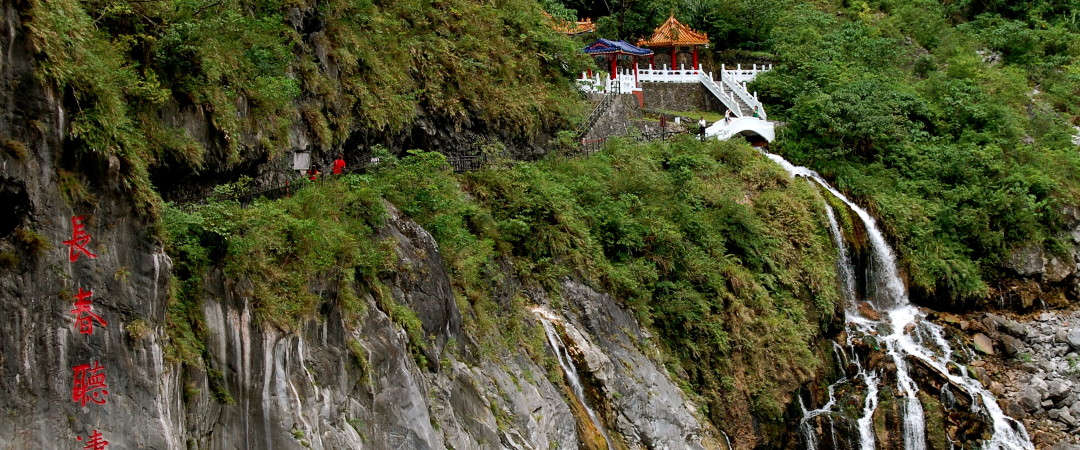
[[866, 421], [905, 334], [570, 373]]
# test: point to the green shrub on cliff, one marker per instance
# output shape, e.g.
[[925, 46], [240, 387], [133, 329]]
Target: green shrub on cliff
[[135, 77], [951, 122], [711, 245]]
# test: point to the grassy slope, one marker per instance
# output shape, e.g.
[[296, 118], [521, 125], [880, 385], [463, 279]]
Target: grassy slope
[[712, 246]]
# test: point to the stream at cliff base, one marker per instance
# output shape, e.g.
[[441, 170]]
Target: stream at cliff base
[[899, 330]]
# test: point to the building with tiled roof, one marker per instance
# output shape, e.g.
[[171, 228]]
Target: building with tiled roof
[[673, 34], [572, 28]]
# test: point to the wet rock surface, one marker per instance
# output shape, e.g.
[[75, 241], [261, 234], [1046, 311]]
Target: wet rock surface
[[647, 408]]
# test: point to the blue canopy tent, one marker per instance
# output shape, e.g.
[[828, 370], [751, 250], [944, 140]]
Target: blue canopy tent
[[615, 48]]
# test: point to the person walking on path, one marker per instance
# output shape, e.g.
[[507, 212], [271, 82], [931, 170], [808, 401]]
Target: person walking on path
[[339, 165], [701, 127], [313, 172]]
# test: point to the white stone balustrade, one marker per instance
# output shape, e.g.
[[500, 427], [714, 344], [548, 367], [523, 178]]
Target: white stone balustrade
[[629, 80], [731, 89]]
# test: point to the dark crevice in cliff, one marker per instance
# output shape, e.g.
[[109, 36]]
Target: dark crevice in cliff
[[14, 198]]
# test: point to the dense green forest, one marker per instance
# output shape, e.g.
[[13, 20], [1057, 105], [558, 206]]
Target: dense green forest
[[951, 120]]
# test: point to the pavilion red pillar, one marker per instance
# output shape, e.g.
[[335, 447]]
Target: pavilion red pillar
[[695, 58], [652, 61], [673, 56], [614, 64]]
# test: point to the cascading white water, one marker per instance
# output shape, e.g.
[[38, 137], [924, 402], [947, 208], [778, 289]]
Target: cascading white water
[[904, 333], [891, 291], [548, 319], [866, 422], [847, 275]]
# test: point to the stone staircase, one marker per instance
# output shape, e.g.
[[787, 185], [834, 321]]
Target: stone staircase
[[744, 109], [597, 112]]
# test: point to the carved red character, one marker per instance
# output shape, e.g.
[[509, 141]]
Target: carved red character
[[84, 315], [79, 239], [89, 384], [96, 442]]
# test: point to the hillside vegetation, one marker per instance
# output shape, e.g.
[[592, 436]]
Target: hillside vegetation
[[258, 71], [956, 132], [952, 120], [711, 245]]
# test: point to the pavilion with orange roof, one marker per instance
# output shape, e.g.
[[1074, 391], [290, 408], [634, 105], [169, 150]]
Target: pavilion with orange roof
[[571, 28], [674, 34]]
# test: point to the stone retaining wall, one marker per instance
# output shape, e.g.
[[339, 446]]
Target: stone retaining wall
[[680, 97], [617, 120]]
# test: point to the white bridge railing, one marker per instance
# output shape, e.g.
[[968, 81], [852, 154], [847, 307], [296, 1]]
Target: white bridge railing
[[725, 129], [731, 88], [623, 83]]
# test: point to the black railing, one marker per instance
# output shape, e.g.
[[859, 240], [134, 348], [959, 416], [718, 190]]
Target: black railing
[[596, 113], [270, 193], [466, 163]]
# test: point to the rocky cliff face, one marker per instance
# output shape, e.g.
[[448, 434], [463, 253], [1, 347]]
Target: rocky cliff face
[[1041, 277], [335, 381]]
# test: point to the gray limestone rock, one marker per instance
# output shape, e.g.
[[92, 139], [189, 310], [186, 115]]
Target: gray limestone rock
[[1015, 328], [984, 344], [1040, 384], [1015, 410], [1027, 261], [1073, 339], [1058, 389], [650, 410], [1058, 269], [421, 283], [1030, 399], [993, 322], [1065, 416], [1067, 400], [1011, 345]]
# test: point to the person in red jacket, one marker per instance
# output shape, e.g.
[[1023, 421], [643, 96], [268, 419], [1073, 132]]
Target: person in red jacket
[[313, 172], [339, 165]]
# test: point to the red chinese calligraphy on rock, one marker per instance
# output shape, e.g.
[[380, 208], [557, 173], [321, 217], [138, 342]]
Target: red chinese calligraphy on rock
[[79, 239], [95, 442], [83, 311], [89, 384]]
